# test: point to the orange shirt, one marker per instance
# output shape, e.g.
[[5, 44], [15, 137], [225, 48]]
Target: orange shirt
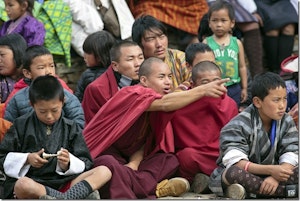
[[181, 14]]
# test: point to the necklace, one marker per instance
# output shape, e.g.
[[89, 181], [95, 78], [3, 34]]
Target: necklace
[[48, 131]]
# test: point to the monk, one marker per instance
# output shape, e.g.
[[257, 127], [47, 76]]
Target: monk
[[128, 135], [126, 58], [197, 128]]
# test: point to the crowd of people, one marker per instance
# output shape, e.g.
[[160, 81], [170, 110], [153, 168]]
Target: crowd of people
[[147, 120]]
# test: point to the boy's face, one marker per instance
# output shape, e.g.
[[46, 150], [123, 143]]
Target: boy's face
[[160, 79], [129, 62], [273, 106], [41, 65], [203, 56], [48, 112], [155, 44], [206, 77]]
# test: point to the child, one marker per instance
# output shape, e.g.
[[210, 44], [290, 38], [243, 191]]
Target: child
[[96, 49], [197, 140], [38, 61], [45, 130], [22, 21], [12, 48], [229, 51], [259, 147], [195, 53]]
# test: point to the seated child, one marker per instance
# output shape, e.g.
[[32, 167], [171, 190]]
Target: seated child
[[45, 130], [259, 147], [12, 49], [96, 49], [38, 61], [21, 21], [197, 127]]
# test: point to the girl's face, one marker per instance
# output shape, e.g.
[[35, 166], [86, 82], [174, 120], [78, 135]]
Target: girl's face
[[220, 23], [90, 60], [14, 9], [7, 63]]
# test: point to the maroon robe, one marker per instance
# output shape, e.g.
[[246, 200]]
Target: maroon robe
[[196, 130], [98, 93], [119, 129]]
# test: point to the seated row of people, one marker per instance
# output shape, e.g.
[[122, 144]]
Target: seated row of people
[[152, 144]]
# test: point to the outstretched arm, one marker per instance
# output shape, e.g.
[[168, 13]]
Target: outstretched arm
[[174, 101]]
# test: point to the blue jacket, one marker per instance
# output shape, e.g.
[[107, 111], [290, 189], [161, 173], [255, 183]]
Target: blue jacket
[[20, 105]]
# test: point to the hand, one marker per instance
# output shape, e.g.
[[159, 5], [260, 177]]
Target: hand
[[269, 186], [281, 172], [216, 88], [260, 21], [63, 159], [35, 159], [244, 95]]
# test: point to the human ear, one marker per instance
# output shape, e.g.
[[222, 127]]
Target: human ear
[[24, 6], [114, 66], [27, 73], [256, 102], [143, 81]]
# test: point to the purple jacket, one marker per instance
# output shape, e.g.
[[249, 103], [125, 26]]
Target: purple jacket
[[30, 28]]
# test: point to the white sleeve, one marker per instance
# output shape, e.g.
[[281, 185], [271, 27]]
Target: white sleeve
[[85, 15], [125, 18], [14, 164], [289, 157], [233, 156], [76, 166], [249, 5]]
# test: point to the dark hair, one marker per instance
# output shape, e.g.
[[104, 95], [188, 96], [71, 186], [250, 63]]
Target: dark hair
[[264, 82], [99, 44], [220, 4], [204, 66], [17, 44], [146, 66], [45, 88], [193, 49], [30, 5], [115, 51], [33, 52], [143, 24]]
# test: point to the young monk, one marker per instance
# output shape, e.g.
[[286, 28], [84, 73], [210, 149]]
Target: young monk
[[197, 128]]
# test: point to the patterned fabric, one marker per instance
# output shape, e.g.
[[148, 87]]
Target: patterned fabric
[[57, 19], [227, 59], [30, 28], [175, 59], [184, 15], [245, 134], [6, 87]]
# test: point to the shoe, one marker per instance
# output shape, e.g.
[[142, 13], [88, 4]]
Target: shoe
[[173, 187], [236, 192], [200, 183], [93, 196], [47, 197]]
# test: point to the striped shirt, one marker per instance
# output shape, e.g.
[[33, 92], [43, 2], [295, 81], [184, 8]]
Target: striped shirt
[[245, 138]]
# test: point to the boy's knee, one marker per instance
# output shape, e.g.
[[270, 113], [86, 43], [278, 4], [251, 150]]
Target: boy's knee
[[23, 185]]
